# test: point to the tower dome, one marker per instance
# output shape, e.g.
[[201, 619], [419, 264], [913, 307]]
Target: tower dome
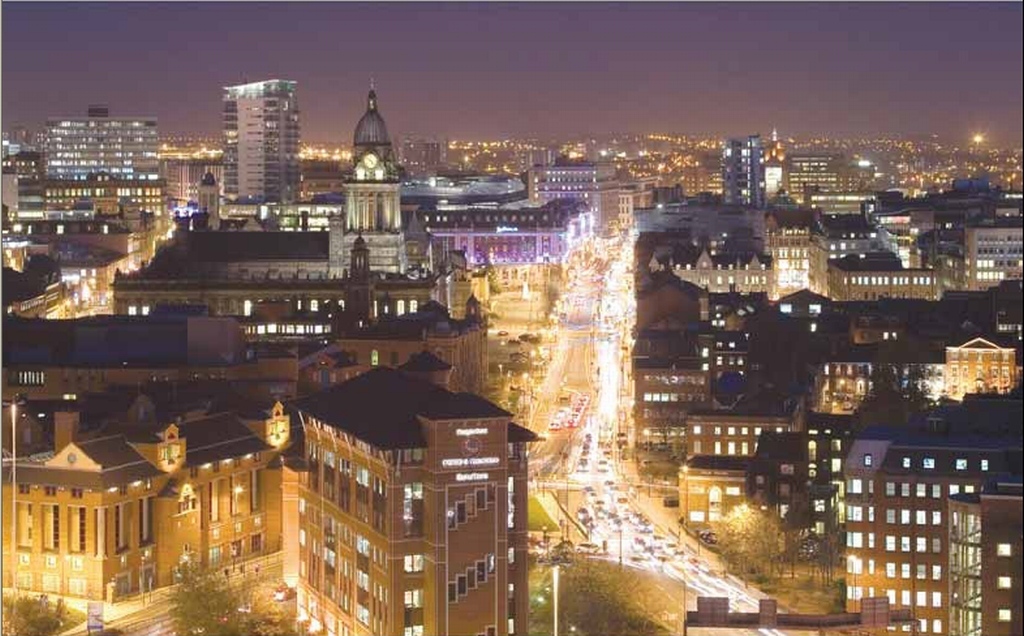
[[371, 129]]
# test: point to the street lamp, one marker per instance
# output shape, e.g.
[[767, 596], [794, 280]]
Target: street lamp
[[554, 580], [686, 496], [14, 500]]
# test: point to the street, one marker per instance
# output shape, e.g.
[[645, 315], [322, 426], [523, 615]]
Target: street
[[614, 515]]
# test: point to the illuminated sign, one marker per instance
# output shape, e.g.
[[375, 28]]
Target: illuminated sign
[[471, 477], [460, 462], [470, 432], [507, 228]]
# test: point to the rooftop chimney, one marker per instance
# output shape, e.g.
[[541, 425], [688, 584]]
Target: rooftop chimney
[[98, 110], [65, 429]]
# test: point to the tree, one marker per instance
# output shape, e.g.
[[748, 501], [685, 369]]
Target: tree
[[597, 597], [31, 616], [750, 541], [898, 388], [204, 603]]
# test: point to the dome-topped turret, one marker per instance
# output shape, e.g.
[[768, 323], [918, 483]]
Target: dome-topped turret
[[371, 129]]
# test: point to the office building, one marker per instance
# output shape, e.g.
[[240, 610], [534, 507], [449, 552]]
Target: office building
[[423, 155], [736, 431], [985, 562], [112, 511], [899, 484], [61, 359], [878, 275], [993, 251], [184, 174], [104, 194], [798, 257], [124, 147], [811, 172], [845, 234], [261, 141], [321, 177], [412, 511], [743, 172], [592, 183], [514, 237]]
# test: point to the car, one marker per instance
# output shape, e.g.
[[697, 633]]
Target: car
[[708, 537], [588, 548], [502, 333]]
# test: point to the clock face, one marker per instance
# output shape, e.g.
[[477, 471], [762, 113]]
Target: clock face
[[370, 161]]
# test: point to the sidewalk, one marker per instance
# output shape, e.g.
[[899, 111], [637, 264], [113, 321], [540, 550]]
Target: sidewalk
[[140, 610]]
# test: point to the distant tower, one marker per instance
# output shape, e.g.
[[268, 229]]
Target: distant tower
[[358, 296], [261, 141], [774, 167], [743, 172], [209, 200], [372, 199]]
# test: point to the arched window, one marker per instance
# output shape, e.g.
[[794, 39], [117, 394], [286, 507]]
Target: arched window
[[374, 358], [414, 306], [714, 503], [400, 308], [247, 308]]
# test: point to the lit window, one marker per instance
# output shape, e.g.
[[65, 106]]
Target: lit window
[[868, 460], [1004, 550], [1005, 615], [1004, 583], [928, 463]]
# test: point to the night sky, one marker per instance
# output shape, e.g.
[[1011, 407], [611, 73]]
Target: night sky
[[489, 70]]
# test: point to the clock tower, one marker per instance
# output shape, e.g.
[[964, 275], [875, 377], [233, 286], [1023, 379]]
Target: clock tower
[[372, 195]]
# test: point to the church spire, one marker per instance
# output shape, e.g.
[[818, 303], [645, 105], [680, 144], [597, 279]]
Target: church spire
[[371, 99]]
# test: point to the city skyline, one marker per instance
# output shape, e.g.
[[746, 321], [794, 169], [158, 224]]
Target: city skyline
[[502, 70]]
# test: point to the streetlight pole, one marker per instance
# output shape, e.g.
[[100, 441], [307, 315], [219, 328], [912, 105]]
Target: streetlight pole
[[14, 500], [554, 577], [686, 497]]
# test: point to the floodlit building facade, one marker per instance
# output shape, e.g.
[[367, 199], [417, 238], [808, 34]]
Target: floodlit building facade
[[125, 147], [412, 513]]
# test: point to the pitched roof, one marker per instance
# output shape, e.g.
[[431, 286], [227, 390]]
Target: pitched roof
[[424, 362], [218, 437], [782, 447], [258, 246], [382, 406]]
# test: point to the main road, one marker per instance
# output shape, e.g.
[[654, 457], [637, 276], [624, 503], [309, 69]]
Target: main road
[[598, 489]]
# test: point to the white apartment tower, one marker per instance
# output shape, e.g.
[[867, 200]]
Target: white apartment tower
[[261, 141]]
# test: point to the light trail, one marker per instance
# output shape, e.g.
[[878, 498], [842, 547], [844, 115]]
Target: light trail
[[601, 305]]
